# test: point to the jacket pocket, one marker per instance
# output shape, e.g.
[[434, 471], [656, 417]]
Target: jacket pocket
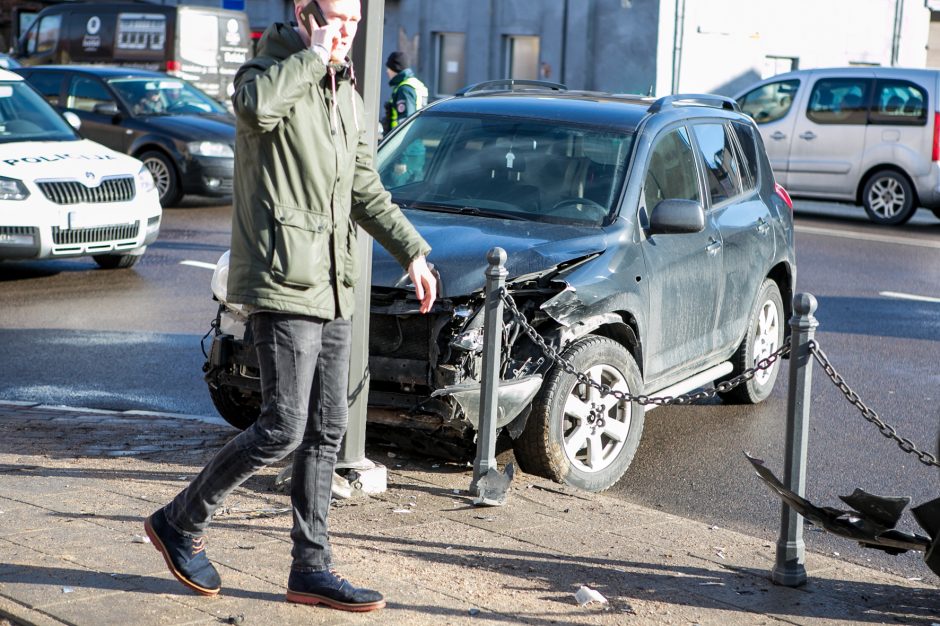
[[351, 266], [301, 247]]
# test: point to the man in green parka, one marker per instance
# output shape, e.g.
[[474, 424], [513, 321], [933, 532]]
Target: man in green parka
[[303, 180]]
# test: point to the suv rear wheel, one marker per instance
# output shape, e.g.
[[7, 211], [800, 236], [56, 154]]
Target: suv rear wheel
[[576, 436], [888, 198], [764, 337]]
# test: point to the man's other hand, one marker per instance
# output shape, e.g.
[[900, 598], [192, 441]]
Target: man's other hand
[[424, 282]]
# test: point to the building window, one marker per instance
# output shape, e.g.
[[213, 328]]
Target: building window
[[451, 66], [522, 57]]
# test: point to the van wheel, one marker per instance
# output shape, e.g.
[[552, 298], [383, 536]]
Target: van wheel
[[574, 435], [164, 176], [888, 198]]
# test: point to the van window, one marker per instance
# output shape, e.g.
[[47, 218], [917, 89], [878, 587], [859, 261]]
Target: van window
[[839, 101], [671, 172], [770, 102], [899, 102], [722, 170], [46, 36], [49, 84], [85, 93], [748, 144]]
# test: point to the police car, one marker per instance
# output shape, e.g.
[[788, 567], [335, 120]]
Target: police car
[[64, 196]]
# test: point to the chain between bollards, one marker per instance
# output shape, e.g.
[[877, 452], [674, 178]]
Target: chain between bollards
[[496, 274]]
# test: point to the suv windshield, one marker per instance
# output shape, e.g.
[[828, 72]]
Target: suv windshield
[[505, 167], [156, 96], [25, 116]]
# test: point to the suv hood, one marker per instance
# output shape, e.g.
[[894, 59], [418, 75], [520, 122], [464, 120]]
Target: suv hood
[[459, 244], [62, 160]]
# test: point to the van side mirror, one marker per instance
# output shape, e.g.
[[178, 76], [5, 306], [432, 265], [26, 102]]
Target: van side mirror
[[675, 216], [106, 108], [73, 120]]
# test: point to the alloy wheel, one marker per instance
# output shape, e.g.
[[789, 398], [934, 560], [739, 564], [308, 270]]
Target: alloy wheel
[[886, 197], [595, 426], [160, 173], [765, 339]]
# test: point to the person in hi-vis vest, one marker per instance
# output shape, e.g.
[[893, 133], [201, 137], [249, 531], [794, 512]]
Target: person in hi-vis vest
[[408, 93]]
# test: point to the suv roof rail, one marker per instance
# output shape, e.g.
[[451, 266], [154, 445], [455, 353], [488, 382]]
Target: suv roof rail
[[706, 99], [509, 84]]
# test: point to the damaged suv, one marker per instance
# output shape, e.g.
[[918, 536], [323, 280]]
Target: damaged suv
[[647, 242]]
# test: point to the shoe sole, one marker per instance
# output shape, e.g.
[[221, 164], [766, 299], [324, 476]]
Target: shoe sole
[[158, 545], [311, 598]]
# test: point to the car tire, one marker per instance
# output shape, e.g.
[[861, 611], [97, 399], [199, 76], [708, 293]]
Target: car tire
[[164, 175], [888, 198], [765, 326], [553, 443], [234, 406], [116, 261]]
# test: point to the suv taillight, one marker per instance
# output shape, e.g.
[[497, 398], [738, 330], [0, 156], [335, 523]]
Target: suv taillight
[[935, 156], [784, 195]]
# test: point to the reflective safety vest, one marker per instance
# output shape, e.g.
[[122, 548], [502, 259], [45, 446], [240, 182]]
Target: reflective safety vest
[[421, 98]]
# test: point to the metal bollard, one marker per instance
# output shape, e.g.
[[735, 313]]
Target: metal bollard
[[789, 569], [492, 339]]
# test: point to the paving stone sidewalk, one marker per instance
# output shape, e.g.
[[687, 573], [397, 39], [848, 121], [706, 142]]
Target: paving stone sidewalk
[[75, 485]]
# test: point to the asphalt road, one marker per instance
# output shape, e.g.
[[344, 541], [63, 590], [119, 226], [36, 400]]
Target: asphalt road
[[75, 335]]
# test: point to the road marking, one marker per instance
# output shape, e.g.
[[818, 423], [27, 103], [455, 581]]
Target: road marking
[[907, 296], [906, 241], [206, 266]]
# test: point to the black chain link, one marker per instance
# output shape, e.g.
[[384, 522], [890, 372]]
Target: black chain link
[[886, 429], [605, 389]]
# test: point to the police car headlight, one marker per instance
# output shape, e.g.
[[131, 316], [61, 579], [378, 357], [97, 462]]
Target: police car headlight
[[210, 149], [145, 180], [12, 189]]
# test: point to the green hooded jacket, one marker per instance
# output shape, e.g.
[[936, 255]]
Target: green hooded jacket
[[303, 179]]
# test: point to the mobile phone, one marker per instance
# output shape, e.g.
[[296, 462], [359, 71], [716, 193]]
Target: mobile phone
[[312, 8]]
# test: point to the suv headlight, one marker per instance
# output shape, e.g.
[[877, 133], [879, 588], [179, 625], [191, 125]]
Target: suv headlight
[[12, 189], [210, 149], [145, 180]]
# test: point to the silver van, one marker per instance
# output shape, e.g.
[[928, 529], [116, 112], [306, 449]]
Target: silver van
[[868, 135]]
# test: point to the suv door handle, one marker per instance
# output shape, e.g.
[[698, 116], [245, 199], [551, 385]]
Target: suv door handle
[[778, 136], [713, 246], [808, 135], [762, 226]]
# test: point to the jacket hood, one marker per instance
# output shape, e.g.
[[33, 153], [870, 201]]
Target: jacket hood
[[280, 41], [459, 244]]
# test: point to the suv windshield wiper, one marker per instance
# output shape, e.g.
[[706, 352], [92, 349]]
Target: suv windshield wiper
[[463, 210]]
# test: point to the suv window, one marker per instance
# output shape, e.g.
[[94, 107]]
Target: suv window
[[899, 102], [771, 102], [747, 140], [839, 101], [85, 93], [49, 84], [672, 171], [722, 170]]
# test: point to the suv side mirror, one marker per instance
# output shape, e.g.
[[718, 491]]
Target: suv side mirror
[[674, 216], [106, 108]]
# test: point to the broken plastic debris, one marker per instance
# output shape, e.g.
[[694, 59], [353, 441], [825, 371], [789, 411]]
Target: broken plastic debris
[[712, 582], [233, 619], [720, 552], [474, 611], [585, 595], [68, 589], [140, 539], [402, 511], [712, 528]]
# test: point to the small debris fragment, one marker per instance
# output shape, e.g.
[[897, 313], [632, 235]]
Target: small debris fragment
[[835, 554], [915, 578], [627, 609], [720, 552], [585, 595], [474, 612], [233, 619], [140, 539], [712, 583], [712, 528], [435, 466], [402, 511], [391, 455], [245, 547], [68, 589]]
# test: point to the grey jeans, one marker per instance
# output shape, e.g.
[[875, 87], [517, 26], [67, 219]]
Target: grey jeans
[[304, 364]]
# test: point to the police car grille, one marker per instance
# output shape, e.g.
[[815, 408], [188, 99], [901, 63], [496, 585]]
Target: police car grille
[[94, 235], [73, 192]]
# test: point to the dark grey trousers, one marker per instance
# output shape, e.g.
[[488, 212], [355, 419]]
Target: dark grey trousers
[[304, 364]]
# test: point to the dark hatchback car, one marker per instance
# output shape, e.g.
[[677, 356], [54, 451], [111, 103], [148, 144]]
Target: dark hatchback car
[[185, 138], [647, 241]]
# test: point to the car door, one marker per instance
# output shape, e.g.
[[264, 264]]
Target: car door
[[825, 154], [49, 84], [744, 222], [684, 269], [774, 107], [86, 97]]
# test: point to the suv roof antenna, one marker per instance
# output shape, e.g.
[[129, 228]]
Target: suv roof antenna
[[510, 84]]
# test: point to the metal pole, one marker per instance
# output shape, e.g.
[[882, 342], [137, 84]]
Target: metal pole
[[366, 54], [492, 339], [789, 569]]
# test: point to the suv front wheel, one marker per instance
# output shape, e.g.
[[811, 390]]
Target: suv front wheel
[[888, 198], [576, 436]]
